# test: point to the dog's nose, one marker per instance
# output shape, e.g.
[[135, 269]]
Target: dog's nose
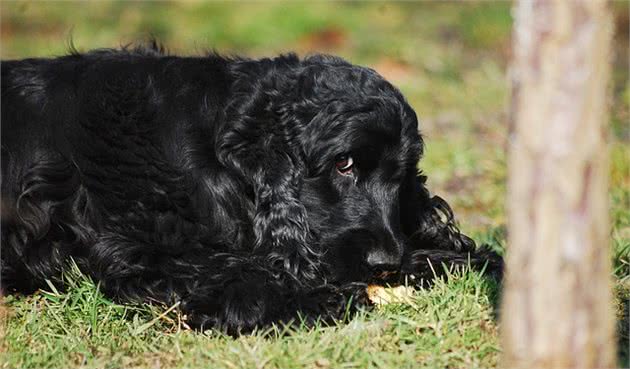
[[381, 261]]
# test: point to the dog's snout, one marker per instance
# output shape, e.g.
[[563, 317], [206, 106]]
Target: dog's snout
[[383, 261]]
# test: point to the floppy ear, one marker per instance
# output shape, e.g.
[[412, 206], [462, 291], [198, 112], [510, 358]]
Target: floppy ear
[[260, 142]]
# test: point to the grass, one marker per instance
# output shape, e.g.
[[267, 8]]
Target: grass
[[450, 61], [450, 325]]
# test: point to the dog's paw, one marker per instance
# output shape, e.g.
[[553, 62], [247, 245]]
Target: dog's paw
[[330, 304], [242, 307], [251, 304], [356, 295]]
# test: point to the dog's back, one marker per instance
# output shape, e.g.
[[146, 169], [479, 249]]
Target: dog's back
[[56, 106], [81, 138]]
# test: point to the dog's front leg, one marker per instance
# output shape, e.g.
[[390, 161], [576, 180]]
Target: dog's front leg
[[236, 299], [426, 265], [435, 239], [244, 297]]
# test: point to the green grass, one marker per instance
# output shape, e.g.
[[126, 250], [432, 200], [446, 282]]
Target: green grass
[[450, 61], [450, 325]]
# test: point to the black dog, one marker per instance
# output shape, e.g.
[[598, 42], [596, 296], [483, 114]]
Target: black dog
[[252, 191]]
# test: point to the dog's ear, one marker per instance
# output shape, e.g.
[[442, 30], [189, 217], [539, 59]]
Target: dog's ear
[[428, 221], [260, 141]]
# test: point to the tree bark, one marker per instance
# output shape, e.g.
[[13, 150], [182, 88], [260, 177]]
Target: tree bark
[[557, 302]]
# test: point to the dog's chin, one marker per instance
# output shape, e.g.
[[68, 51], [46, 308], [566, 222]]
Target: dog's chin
[[385, 277], [343, 274], [340, 274]]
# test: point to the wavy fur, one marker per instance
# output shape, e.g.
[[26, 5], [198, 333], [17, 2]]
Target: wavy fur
[[212, 181]]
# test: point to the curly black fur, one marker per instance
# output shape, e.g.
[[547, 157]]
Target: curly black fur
[[212, 181]]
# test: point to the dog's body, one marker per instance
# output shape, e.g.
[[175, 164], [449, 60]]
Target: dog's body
[[253, 191]]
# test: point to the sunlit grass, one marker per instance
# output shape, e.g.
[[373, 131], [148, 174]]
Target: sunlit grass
[[450, 325], [450, 61]]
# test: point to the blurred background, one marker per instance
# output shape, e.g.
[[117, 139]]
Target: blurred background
[[449, 58]]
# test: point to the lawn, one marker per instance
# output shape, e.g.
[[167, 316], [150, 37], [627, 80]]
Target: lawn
[[449, 59]]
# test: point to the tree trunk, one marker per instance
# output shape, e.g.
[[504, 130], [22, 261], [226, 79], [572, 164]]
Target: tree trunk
[[557, 302]]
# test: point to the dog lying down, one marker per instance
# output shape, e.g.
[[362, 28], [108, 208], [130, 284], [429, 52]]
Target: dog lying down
[[249, 191]]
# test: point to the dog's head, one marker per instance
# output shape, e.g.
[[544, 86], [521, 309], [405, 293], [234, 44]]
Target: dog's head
[[331, 152]]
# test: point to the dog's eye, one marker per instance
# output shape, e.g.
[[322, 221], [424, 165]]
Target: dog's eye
[[344, 164]]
